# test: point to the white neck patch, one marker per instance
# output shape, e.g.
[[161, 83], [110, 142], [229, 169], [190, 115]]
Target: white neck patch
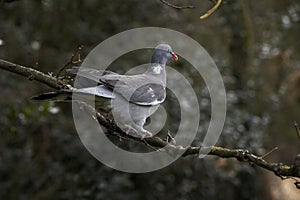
[[157, 69]]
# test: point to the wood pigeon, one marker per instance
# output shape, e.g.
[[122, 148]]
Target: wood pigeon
[[128, 99]]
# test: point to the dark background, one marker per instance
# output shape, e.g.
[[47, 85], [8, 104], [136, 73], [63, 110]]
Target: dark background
[[255, 45]]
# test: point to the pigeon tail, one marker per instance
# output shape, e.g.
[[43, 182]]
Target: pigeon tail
[[77, 94], [61, 95]]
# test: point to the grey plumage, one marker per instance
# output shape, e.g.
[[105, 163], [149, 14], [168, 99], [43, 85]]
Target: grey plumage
[[129, 99]]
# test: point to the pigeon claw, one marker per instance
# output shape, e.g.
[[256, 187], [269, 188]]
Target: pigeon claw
[[142, 133], [129, 130], [146, 134]]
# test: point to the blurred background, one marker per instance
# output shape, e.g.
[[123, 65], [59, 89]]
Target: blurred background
[[255, 45]]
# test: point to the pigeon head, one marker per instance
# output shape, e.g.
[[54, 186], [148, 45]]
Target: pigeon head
[[162, 53]]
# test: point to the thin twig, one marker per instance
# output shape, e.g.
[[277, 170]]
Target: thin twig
[[75, 59], [169, 136], [268, 153], [147, 144], [297, 129], [212, 10], [175, 6]]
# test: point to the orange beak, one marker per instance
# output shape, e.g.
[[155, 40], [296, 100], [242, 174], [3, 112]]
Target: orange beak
[[174, 56]]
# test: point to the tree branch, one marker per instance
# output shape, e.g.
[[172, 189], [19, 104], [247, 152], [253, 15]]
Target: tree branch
[[207, 14], [32, 74], [212, 10], [174, 6], [279, 169]]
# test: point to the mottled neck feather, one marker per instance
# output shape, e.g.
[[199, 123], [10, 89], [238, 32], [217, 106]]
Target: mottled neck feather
[[157, 67], [159, 59], [158, 63], [158, 71]]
